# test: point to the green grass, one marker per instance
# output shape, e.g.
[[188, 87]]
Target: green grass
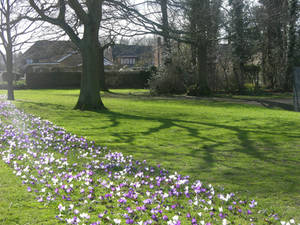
[[244, 148], [17, 206]]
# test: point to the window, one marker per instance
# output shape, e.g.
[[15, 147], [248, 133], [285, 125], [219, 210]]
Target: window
[[127, 61], [29, 61]]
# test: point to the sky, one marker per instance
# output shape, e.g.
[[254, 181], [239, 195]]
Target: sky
[[36, 37]]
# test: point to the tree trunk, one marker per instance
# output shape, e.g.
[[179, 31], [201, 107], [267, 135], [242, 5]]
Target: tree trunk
[[9, 54], [202, 81], [103, 86], [291, 45], [237, 77], [166, 34], [193, 30], [242, 77], [92, 67], [10, 75], [10, 89]]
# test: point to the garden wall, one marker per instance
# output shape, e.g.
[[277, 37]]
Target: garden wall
[[114, 79]]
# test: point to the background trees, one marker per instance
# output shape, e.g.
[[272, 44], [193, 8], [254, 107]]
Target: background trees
[[83, 22], [208, 45], [238, 41], [279, 28], [14, 33]]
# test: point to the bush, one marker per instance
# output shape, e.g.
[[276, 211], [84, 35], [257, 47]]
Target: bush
[[170, 78], [20, 84], [16, 76], [196, 90]]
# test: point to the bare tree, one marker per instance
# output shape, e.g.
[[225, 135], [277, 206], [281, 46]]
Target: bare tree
[[165, 30], [89, 15], [13, 35]]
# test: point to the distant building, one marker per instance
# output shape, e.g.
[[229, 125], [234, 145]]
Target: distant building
[[48, 51], [130, 55], [64, 56], [53, 56]]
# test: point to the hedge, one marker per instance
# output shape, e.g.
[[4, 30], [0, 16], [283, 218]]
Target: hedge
[[114, 79]]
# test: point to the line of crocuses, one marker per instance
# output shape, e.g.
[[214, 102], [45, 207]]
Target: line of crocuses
[[88, 184]]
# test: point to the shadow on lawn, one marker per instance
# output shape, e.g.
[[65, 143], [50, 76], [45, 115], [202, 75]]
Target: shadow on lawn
[[267, 103], [267, 170], [283, 104]]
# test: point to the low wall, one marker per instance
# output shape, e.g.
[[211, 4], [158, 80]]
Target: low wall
[[114, 79]]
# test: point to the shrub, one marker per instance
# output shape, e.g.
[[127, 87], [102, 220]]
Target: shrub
[[19, 84], [196, 90], [170, 78]]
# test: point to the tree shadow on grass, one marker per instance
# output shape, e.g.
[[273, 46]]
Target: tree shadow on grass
[[248, 145], [210, 150]]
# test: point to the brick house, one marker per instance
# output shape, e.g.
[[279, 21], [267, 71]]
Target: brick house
[[53, 56], [130, 55]]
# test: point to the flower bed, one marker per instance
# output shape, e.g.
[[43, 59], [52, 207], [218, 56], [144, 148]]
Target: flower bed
[[91, 185]]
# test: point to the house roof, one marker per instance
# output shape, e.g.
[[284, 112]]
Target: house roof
[[67, 56], [107, 62], [55, 52], [122, 50], [71, 59], [51, 51]]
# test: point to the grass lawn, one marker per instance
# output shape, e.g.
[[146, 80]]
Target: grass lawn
[[17, 206], [247, 149]]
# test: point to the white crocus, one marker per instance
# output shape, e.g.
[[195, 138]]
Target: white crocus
[[117, 221]]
